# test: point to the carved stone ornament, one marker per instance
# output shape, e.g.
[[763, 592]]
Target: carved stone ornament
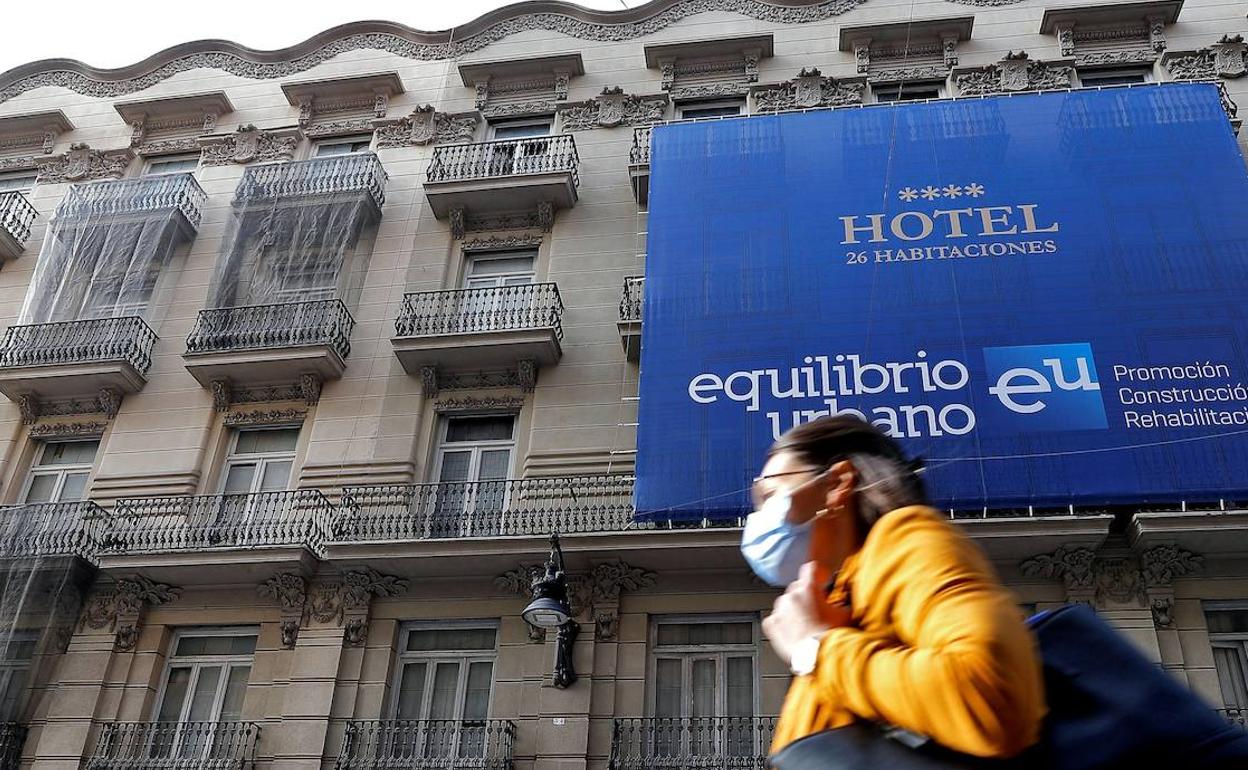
[[265, 417], [596, 592], [473, 403], [1191, 65], [28, 405], [808, 89], [1157, 33], [310, 388], [249, 144], [456, 220], [107, 403], [611, 109], [290, 592], [1066, 40], [1016, 72], [1162, 608], [1162, 564], [531, 220], [429, 381], [1229, 56], [1073, 566], [526, 370], [67, 429], [545, 215], [347, 601], [497, 243], [427, 126], [121, 609], [82, 164], [1117, 579], [221, 395]]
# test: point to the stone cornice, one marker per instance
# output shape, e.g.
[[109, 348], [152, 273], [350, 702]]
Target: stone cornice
[[401, 40]]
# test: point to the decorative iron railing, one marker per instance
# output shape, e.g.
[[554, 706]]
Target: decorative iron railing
[[509, 157], [91, 340], [639, 153], [334, 175], [175, 746], [300, 517], [733, 743], [51, 529], [427, 744], [12, 737], [285, 325], [631, 297], [16, 216], [1235, 716], [464, 311], [147, 194], [534, 506]]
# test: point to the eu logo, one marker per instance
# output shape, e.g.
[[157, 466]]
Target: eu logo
[[1045, 387]]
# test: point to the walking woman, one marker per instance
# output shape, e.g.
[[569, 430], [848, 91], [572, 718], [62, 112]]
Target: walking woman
[[890, 615]]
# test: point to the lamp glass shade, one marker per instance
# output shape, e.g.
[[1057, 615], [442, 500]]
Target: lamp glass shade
[[545, 612]]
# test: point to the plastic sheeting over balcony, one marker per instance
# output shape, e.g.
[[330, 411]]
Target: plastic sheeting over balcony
[[107, 244], [295, 229]]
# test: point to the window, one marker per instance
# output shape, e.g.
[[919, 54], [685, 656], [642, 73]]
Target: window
[[260, 460], [344, 145], [493, 304], [171, 164], [60, 471], [715, 109], [1228, 633], [205, 681], [20, 181], [113, 294], [704, 676], [521, 129], [306, 275], [908, 92], [473, 462], [445, 673], [500, 268], [1113, 76], [15, 656]]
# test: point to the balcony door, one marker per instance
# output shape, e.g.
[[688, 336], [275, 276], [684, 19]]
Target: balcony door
[[205, 682], [525, 156], [60, 471], [492, 299], [704, 697], [260, 461], [473, 462], [442, 697]]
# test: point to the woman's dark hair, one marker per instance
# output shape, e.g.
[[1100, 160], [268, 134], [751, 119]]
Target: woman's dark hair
[[887, 480]]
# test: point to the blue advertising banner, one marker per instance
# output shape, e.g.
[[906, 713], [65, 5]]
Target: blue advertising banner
[[1042, 294]]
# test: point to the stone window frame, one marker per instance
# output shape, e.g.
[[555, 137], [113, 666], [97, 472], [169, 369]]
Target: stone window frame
[[25, 137], [719, 67], [934, 43], [528, 86], [654, 651], [341, 106], [1118, 34], [1241, 638], [172, 659], [172, 125], [402, 656]]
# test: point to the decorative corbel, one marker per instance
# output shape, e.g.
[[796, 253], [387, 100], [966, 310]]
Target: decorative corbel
[[305, 113], [210, 122], [110, 401], [1229, 56], [221, 395], [28, 405], [561, 84], [1160, 566], [1157, 33], [347, 601], [752, 57], [545, 215], [121, 609], [429, 381], [290, 591], [949, 50], [310, 388], [138, 130], [456, 218], [862, 54], [381, 103], [1066, 39], [482, 92], [526, 374], [1073, 566], [667, 71]]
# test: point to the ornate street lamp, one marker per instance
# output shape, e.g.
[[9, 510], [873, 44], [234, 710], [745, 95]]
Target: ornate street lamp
[[550, 609]]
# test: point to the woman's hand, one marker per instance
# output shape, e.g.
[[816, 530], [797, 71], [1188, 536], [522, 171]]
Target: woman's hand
[[803, 611]]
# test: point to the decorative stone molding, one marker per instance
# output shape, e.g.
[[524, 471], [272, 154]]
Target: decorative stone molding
[[545, 215], [456, 220], [1115, 574], [310, 388], [80, 428], [808, 89], [172, 124], [28, 406], [249, 144], [346, 602], [306, 389], [526, 374], [107, 403], [427, 126], [1191, 65], [474, 403], [429, 381], [611, 109], [891, 52], [343, 105], [290, 591], [433, 380], [596, 592], [1229, 56], [222, 395], [1163, 564], [1016, 72], [496, 243], [24, 137], [517, 87], [121, 608], [532, 220], [82, 164], [1073, 566], [265, 417], [709, 68]]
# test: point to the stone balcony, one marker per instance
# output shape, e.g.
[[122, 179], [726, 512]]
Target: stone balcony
[[174, 746], [264, 344], [639, 164], [741, 743], [498, 328], [334, 179], [486, 178], [427, 744], [187, 540], [40, 530], [16, 218], [629, 323], [98, 357]]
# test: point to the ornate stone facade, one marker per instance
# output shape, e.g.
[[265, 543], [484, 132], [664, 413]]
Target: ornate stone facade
[[347, 601], [249, 144], [596, 592], [425, 125], [290, 591], [83, 164], [809, 89], [611, 109], [121, 608], [1016, 72]]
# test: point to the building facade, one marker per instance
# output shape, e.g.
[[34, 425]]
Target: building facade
[[307, 352]]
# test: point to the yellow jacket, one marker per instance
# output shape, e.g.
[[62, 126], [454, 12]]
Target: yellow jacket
[[938, 645]]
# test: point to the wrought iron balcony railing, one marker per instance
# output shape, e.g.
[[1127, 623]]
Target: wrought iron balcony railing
[[1235, 716], [332, 176], [286, 325], [299, 517], [16, 216], [143, 195], [639, 153], [50, 529], [175, 746], [12, 737], [630, 299], [427, 744], [510, 157], [533, 506], [91, 340], [735, 743], [465, 311]]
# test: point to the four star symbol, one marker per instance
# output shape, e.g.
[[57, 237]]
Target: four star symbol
[[952, 191], [931, 193], [908, 194], [974, 189]]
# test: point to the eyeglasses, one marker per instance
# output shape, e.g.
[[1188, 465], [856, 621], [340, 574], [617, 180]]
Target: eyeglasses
[[759, 495]]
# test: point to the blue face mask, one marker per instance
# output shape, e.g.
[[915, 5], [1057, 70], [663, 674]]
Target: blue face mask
[[774, 547]]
